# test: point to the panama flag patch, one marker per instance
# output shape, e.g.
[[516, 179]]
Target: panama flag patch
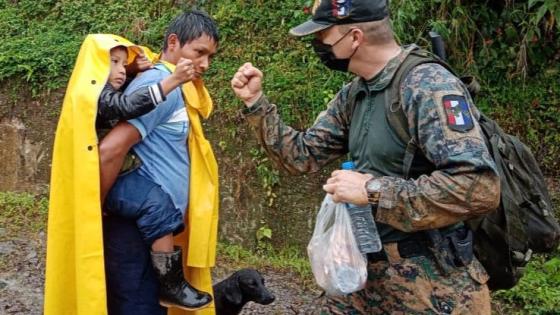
[[459, 117], [341, 8]]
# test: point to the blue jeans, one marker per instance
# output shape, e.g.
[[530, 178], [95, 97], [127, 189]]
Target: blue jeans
[[139, 212], [136, 197]]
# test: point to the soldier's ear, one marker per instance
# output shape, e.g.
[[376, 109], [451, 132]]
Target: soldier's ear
[[358, 37]]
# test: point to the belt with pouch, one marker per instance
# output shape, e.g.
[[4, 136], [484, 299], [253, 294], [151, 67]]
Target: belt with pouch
[[450, 248], [414, 246]]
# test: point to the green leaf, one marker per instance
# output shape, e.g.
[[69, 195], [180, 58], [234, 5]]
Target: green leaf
[[533, 2], [541, 12], [267, 233]]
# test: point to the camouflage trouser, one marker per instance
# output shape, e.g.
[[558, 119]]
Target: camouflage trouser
[[415, 286]]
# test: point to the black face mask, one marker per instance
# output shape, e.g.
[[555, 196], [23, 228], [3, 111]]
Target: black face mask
[[326, 54]]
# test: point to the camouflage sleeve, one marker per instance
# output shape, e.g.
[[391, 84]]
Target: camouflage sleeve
[[306, 151], [441, 122]]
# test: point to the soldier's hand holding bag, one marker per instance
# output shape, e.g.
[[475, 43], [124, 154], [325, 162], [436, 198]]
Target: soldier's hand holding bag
[[337, 264]]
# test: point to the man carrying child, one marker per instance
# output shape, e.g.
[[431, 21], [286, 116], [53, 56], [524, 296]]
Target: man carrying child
[[156, 195]]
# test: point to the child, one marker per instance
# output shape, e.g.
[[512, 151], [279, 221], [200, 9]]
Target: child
[[113, 105]]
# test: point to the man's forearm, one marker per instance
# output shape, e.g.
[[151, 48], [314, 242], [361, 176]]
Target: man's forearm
[[112, 152], [437, 200], [298, 152], [109, 167]]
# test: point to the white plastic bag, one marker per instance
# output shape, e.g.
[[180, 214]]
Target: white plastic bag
[[337, 264]]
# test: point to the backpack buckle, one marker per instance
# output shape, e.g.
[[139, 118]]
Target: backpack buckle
[[501, 145], [522, 258], [544, 207]]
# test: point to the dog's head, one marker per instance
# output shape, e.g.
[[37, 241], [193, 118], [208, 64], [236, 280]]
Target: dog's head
[[247, 285]]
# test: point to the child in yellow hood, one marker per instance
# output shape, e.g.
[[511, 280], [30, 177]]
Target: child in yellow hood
[[114, 105]]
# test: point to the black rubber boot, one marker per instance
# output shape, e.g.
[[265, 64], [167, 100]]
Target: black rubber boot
[[173, 289]]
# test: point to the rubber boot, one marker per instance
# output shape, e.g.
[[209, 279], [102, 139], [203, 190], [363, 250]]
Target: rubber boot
[[174, 291]]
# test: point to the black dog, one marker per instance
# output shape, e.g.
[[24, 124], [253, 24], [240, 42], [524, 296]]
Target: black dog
[[245, 285]]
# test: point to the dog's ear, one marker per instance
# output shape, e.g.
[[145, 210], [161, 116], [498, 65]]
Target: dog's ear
[[232, 291]]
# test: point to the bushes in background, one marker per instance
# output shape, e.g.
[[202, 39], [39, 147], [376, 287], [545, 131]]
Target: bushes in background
[[512, 46]]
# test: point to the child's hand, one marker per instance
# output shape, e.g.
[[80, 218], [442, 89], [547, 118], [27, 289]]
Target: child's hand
[[184, 71], [140, 63]]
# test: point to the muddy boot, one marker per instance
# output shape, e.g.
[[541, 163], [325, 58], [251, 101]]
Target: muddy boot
[[173, 289]]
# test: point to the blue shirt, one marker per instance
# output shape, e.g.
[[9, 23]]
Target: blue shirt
[[164, 131]]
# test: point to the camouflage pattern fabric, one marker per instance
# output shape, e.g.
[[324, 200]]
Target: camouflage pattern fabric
[[131, 163], [415, 285], [465, 183]]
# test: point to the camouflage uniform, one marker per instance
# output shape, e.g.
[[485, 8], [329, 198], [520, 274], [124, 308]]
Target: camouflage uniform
[[463, 184], [415, 286]]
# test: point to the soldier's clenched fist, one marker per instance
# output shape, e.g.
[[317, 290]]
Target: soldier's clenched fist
[[247, 84]]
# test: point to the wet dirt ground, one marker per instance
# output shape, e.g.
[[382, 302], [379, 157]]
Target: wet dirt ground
[[22, 268], [22, 276]]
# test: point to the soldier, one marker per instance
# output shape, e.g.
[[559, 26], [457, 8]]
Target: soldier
[[411, 128]]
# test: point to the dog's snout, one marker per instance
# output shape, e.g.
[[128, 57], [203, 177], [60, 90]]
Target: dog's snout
[[245, 285], [268, 298]]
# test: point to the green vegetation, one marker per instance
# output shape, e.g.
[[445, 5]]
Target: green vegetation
[[23, 212], [513, 47], [266, 256], [285, 259], [269, 176], [538, 292]]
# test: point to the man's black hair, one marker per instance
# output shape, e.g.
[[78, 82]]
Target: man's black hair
[[191, 25]]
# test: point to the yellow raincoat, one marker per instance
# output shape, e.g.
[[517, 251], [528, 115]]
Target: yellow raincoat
[[75, 274]]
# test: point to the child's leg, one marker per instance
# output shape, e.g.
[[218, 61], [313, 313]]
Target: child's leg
[[174, 290], [135, 197], [163, 244], [127, 196]]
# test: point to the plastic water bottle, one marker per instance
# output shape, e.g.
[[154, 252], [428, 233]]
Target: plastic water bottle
[[363, 225]]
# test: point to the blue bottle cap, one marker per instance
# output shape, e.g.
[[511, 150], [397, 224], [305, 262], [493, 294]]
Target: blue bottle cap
[[348, 165]]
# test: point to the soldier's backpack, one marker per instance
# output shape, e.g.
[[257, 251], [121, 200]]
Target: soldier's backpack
[[524, 222]]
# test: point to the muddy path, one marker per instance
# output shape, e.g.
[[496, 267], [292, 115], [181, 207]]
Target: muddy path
[[22, 258], [22, 275]]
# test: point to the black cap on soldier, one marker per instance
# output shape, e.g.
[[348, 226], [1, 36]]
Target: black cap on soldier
[[327, 13]]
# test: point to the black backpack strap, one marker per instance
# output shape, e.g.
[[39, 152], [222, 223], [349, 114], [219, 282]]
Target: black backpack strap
[[354, 90], [393, 103]]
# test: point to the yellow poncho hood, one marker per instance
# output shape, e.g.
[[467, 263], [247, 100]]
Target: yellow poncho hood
[[75, 274]]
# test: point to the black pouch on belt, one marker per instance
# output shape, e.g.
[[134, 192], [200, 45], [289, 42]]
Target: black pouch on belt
[[451, 249], [441, 250], [461, 240]]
